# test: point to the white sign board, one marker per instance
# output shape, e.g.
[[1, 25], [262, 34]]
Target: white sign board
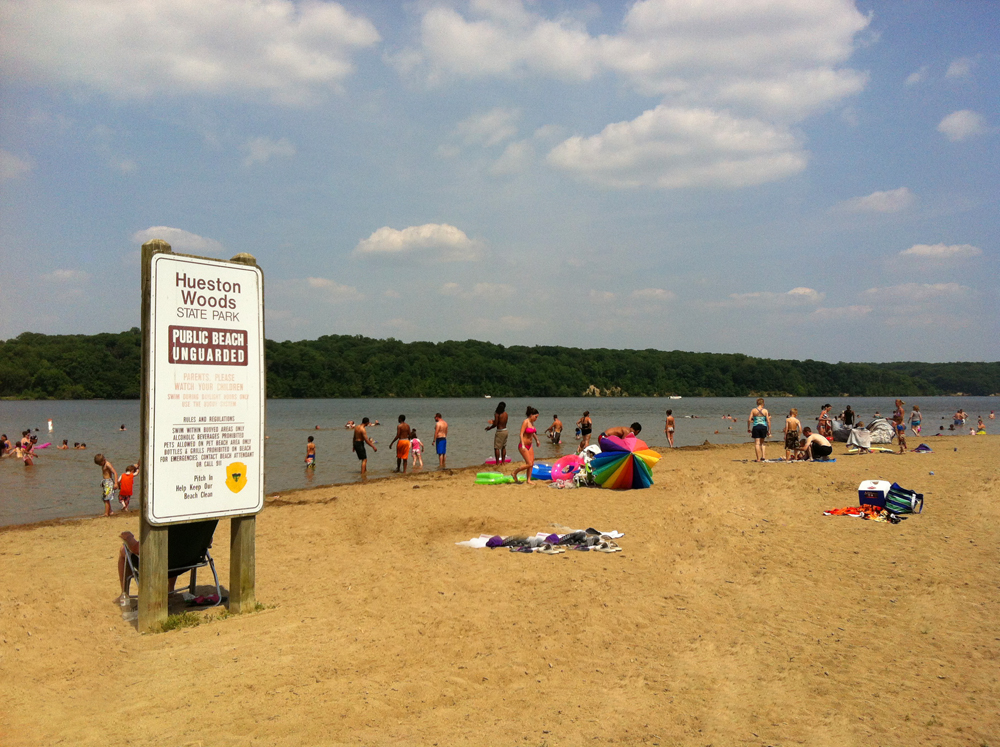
[[205, 445]]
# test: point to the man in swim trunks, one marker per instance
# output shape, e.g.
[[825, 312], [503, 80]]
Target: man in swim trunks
[[554, 431], [586, 426], [440, 438], [621, 431], [815, 446], [110, 479], [310, 452], [500, 437], [358, 445], [668, 429], [402, 441]]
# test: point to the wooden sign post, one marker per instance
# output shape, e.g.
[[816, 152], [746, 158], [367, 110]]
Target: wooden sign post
[[202, 412]]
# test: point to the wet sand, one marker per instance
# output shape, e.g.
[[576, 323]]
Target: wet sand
[[737, 615]]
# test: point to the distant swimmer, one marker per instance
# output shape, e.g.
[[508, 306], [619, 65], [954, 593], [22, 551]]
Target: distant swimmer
[[64, 444], [554, 431], [122, 427], [668, 428], [440, 438], [349, 424], [402, 441], [358, 445], [310, 452], [500, 437], [5, 445]]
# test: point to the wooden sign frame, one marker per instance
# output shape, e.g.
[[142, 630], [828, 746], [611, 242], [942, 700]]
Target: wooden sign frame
[[153, 536]]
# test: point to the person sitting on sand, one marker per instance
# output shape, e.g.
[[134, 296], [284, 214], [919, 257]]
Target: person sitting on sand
[[621, 431], [815, 446], [131, 544]]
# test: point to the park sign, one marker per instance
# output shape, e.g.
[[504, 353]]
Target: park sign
[[204, 389]]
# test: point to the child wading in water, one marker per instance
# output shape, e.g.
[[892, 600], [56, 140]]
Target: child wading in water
[[416, 449], [310, 452], [108, 483], [126, 485]]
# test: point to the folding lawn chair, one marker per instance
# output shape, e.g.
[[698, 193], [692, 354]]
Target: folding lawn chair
[[187, 551]]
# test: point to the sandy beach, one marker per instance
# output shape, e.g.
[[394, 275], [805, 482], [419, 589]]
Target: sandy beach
[[737, 614]]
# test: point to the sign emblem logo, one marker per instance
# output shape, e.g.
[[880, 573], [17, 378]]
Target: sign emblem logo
[[236, 476]]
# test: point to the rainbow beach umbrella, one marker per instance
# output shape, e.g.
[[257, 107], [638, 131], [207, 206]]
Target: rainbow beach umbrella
[[624, 463]]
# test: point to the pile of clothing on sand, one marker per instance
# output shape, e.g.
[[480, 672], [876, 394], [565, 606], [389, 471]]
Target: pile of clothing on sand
[[582, 540]]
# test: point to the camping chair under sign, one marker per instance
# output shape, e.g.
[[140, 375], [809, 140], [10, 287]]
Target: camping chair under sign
[[187, 551]]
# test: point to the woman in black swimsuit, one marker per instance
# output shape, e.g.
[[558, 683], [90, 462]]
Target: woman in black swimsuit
[[586, 428]]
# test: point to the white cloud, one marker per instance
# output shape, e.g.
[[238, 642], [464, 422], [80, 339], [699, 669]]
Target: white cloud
[[278, 48], [842, 312], [481, 291], [66, 276], [516, 322], [941, 251], [599, 296], [777, 56], [670, 148], [963, 124], [488, 129], [334, 292], [653, 294], [13, 167], [795, 297], [891, 201], [917, 77], [180, 240], [262, 149], [960, 68], [438, 240], [515, 159], [916, 292]]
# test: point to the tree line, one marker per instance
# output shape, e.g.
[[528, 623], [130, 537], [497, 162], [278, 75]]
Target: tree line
[[107, 366]]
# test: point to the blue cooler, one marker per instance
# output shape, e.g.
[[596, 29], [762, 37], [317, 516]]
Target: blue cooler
[[874, 492]]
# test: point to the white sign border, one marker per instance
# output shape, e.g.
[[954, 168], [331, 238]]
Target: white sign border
[[151, 393]]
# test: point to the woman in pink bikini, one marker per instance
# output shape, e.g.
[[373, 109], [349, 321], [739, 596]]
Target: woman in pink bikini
[[525, 445]]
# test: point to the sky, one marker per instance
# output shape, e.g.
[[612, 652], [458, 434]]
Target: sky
[[780, 178]]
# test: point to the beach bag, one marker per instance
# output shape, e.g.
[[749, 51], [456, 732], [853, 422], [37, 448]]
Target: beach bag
[[899, 500]]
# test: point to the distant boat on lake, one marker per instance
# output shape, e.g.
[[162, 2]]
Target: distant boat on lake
[[675, 396]]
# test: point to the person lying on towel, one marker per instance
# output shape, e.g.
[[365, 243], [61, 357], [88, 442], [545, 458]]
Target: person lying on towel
[[815, 446]]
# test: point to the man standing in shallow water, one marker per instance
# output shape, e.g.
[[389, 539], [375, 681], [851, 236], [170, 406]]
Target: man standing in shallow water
[[402, 441], [440, 438], [358, 445], [500, 438]]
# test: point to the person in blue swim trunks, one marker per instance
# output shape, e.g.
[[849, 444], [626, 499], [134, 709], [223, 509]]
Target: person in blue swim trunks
[[440, 438]]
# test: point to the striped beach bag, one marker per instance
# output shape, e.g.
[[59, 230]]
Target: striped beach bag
[[899, 500]]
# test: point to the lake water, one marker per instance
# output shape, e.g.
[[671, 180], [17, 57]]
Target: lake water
[[67, 483]]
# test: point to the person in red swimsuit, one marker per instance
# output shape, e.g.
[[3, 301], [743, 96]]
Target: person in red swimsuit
[[525, 444]]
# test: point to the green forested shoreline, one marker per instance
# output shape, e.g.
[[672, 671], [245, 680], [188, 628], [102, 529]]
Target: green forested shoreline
[[106, 366]]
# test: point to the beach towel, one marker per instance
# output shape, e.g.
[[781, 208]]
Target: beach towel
[[859, 438]]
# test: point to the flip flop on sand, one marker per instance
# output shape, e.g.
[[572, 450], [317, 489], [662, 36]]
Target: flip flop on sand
[[607, 547], [548, 549]]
